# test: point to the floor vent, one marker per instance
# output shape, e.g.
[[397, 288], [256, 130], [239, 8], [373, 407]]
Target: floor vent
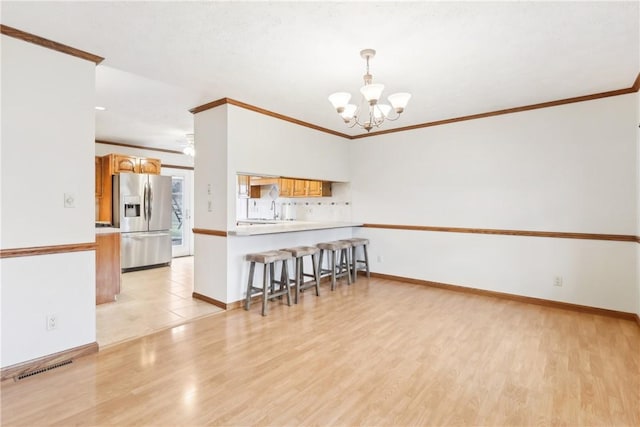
[[39, 371]]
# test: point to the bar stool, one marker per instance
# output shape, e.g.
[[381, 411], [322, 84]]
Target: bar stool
[[355, 243], [268, 289], [336, 271], [298, 253]]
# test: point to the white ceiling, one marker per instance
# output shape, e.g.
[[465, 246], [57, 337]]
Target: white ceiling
[[456, 58]]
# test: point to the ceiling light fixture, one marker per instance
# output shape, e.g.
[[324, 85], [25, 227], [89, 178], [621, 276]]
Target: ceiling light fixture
[[99, 108], [370, 113], [190, 149]]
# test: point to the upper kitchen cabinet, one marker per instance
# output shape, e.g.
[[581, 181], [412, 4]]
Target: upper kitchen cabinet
[[300, 187], [120, 163], [318, 189], [286, 187], [150, 166], [245, 189], [308, 188], [289, 187]]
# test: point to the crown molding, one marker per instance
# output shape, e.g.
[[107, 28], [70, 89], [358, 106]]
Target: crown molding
[[259, 110], [636, 84], [635, 87], [49, 44], [631, 89], [121, 144]]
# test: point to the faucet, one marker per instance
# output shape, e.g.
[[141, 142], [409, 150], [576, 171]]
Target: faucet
[[273, 208]]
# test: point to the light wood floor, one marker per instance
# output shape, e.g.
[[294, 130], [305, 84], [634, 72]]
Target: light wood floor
[[374, 353], [149, 301]]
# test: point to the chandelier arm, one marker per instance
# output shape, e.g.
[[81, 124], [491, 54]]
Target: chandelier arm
[[355, 122], [392, 119]]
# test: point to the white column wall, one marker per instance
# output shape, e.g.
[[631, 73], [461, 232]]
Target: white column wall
[[637, 97], [47, 150], [569, 168], [210, 202]]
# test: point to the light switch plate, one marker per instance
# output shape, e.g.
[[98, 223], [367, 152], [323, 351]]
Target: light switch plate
[[69, 200]]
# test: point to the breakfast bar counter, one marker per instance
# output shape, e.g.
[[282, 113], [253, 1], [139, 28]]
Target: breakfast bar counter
[[249, 228], [230, 271]]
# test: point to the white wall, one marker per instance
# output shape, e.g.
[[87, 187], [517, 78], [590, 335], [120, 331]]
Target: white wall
[[260, 144], [569, 168], [47, 151]]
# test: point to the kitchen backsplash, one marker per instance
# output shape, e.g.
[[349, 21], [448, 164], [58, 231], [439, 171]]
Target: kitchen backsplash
[[334, 208]]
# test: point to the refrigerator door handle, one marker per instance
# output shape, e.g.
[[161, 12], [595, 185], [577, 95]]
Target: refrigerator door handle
[[145, 201], [150, 200]]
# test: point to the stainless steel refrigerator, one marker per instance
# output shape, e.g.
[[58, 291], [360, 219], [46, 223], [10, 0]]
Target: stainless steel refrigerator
[[142, 211]]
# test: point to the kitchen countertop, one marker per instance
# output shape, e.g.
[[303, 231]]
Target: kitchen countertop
[[107, 230], [288, 227]]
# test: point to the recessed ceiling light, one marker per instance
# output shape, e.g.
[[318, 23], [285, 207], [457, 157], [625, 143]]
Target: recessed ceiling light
[[101, 108]]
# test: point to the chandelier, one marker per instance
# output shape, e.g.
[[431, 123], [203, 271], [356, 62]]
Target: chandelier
[[370, 113]]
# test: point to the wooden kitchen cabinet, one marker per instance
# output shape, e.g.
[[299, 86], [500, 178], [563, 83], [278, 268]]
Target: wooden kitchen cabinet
[[98, 170], [300, 187], [123, 164], [308, 188], [289, 187], [246, 190], [319, 189], [150, 166], [286, 187], [107, 267]]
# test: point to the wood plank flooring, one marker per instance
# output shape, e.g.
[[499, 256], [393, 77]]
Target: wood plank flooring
[[149, 301], [373, 353]]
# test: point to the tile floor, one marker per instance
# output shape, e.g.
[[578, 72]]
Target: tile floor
[[149, 301]]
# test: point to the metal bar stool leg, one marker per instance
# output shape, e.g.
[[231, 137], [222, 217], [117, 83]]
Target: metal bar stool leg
[[333, 270], [347, 264], [354, 264], [265, 287], [316, 274], [298, 276], [366, 260], [284, 280]]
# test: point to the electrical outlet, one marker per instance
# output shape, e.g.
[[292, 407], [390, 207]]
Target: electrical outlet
[[379, 258], [209, 206], [52, 322], [557, 281]]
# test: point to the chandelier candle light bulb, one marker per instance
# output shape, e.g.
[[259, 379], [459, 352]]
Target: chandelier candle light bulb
[[370, 113]]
